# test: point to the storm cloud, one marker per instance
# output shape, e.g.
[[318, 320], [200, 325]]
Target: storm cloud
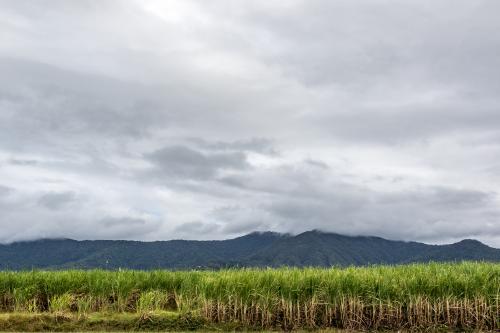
[[207, 120]]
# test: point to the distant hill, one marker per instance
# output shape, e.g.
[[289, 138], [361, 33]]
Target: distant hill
[[312, 248]]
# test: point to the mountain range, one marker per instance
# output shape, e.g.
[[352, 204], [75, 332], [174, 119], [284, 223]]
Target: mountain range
[[258, 249]]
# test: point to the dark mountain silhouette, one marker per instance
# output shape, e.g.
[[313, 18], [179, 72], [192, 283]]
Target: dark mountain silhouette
[[312, 248]]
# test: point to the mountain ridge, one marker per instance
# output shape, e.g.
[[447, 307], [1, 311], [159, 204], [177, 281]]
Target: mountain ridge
[[256, 249]]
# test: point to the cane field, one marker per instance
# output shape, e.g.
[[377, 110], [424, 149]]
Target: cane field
[[447, 296]]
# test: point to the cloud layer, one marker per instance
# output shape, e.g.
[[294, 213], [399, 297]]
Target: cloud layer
[[206, 120]]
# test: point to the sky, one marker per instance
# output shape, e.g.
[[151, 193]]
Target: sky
[[156, 120]]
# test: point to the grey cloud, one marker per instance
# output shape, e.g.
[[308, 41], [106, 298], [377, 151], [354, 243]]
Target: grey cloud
[[28, 216], [316, 163], [234, 181], [188, 229], [184, 162], [56, 201], [294, 200], [257, 145], [23, 162], [302, 180], [371, 42], [48, 98], [119, 227], [210, 228], [401, 126], [451, 197], [5, 190], [368, 117], [244, 227], [125, 221], [394, 72], [238, 220], [392, 215]]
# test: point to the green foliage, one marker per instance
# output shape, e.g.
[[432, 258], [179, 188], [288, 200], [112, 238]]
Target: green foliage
[[401, 283], [457, 295]]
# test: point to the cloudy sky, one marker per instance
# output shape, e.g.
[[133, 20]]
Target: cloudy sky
[[154, 120]]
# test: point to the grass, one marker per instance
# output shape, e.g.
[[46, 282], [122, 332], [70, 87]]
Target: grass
[[101, 322], [417, 296]]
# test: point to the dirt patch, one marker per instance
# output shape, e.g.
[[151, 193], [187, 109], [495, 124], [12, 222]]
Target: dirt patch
[[132, 300], [171, 303], [7, 302], [42, 302]]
